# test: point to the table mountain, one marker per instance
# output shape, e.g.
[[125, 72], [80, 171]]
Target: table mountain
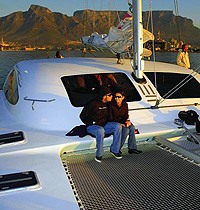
[[40, 26]]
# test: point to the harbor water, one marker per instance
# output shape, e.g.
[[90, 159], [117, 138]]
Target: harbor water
[[9, 58]]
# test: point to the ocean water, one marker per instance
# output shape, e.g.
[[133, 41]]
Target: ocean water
[[9, 58]]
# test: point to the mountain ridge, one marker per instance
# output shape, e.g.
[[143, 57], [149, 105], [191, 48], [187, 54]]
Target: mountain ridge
[[40, 26]]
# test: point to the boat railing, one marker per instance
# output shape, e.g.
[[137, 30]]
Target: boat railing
[[38, 100], [191, 135]]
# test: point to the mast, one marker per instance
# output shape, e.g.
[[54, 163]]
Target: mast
[[138, 39], [178, 21]]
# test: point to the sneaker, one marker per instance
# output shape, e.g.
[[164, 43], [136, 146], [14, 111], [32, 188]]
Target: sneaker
[[131, 151], [98, 159], [116, 155]]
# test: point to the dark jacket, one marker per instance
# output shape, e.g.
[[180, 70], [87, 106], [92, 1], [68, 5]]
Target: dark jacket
[[118, 114], [98, 113]]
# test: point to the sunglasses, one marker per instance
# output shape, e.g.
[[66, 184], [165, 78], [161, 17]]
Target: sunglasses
[[109, 94], [118, 96]]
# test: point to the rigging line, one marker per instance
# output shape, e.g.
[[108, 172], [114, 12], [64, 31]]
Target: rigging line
[[109, 7], [89, 51], [177, 20], [101, 5], [181, 85], [148, 20], [94, 18], [86, 3], [85, 17], [175, 90], [116, 10], [67, 44], [185, 79], [149, 15], [153, 45]]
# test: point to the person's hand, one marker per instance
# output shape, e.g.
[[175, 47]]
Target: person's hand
[[128, 123]]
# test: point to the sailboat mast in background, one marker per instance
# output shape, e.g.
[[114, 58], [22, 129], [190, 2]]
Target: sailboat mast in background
[[138, 39], [178, 22]]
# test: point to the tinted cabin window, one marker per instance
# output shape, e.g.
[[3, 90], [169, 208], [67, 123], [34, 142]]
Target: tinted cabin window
[[167, 81], [84, 88], [11, 89]]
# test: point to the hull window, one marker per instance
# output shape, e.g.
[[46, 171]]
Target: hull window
[[167, 81], [84, 88], [11, 89]]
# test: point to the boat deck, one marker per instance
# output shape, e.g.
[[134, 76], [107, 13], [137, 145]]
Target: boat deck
[[154, 179]]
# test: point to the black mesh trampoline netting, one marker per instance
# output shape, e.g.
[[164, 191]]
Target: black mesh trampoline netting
[[154, 179]]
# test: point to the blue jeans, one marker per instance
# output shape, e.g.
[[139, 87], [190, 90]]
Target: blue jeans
[[99, 132], [131, 140]]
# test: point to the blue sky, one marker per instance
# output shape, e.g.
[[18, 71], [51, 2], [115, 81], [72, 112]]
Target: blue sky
[[187, 8]]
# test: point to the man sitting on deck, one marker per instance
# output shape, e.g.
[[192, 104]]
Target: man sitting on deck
[[95, 116]]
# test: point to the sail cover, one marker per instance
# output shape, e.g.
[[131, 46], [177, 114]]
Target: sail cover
[[119, 38]]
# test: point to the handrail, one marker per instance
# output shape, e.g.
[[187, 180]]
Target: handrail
[[165, 106], [37, 100]]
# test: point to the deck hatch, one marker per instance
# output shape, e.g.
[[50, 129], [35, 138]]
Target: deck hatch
[[154, 179], [18, 181], [11, 137]]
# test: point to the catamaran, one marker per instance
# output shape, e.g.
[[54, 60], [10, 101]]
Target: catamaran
[[43, 168]]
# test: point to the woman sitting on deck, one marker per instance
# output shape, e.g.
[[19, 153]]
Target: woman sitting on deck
[[118, 112]]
